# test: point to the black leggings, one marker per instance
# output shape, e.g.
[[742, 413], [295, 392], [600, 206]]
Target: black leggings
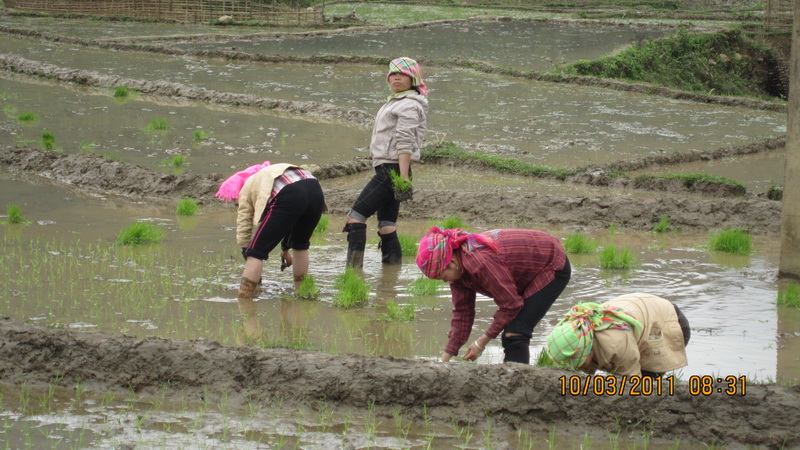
[[291, 216], [517, 348]]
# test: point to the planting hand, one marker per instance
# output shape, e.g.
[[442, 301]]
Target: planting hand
[[286, 259]]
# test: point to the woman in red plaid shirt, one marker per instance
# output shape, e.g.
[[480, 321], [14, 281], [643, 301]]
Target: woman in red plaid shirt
[[523, 271]]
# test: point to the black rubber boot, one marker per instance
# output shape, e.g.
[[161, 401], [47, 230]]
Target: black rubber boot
[[517, 349], [356, 242], [391, 252]]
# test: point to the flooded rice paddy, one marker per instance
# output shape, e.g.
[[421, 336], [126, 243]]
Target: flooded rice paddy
[[62, 269]]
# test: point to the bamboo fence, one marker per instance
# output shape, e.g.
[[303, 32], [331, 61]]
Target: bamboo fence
[[779, 15], [185, 11]]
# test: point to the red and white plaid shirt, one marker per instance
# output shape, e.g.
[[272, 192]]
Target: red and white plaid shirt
[[289, 176], [525, 263]]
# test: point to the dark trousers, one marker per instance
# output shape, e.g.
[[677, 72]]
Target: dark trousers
[[517, 348], [378, 197], [291, 216]]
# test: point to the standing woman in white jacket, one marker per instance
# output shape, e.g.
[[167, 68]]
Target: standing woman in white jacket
[[397, 136]]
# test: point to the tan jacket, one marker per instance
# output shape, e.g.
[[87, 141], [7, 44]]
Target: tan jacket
[[253, 200], [400, 127], [659, 349]]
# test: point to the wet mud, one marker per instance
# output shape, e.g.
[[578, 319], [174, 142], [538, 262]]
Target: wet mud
[[512, 396], [687, 212]]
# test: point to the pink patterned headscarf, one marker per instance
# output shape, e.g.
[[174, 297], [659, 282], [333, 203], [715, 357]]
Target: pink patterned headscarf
[[408, 66], [229, 189], [436, 248]]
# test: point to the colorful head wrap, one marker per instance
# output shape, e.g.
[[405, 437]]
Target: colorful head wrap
[[436, 248], [408, 66], [229, 189], [570, 343]]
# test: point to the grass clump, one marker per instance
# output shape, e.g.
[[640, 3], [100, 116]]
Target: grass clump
[[308, 288], [199, 136], [449, 151], [322, 225], [176, 162], [48, 140], [663, 225], [408, 244], [140, 233], [451, 222], [28, 118], [122, 92], [613, 258], [790, 296], [157, 126], [187, 207], [424, 286], [14, 213], [399, 313], [353, 290], [579, 243], [712, 63], [734, 241]]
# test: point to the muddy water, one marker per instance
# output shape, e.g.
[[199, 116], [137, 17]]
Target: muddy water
[[550, 124], [91, 120], [533, 46], [63, 270], [757, 172], [730, 300]]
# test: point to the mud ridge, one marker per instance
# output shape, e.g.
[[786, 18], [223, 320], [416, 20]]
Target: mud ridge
[[463, 63], [686, 213], [326, 111], [522, 397]]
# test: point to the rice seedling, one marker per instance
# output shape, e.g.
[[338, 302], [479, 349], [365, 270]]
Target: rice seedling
[[86, 146], [187, 206], [400, 184], [613, 258], [176, 162], [199, 136], [452, 222], [353, 290], [48, 140], [122, 92], [790, 296], [425, 286], [734, 241], [14, 213], [408, 244], [28, 118], [308, 288], [10, 111], [579, 243], [140, 233], [322, 225], [663, 225], [399, 313], [157, 126]]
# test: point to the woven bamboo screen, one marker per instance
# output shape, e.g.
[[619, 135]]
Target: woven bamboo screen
[[779, 15], [189, 11]]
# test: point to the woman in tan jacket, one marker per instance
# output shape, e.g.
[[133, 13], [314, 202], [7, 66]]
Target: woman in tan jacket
[[278, 203], [634, 334]]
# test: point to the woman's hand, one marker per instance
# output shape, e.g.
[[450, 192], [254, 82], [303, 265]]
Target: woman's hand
[[445, 357], [477, 347], [286, 259]]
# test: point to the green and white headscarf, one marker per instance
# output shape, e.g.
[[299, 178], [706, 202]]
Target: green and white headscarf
[[570, 343]]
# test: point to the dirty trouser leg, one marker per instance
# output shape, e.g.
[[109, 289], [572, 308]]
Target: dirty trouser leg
[[391, 252], [356, 243]]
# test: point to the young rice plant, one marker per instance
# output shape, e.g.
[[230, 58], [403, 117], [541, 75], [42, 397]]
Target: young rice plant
[[579, 243], [613, 258], [187, 207], [308, 288], [353, 290], [140, 233], [733, 241], [790, 296]]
